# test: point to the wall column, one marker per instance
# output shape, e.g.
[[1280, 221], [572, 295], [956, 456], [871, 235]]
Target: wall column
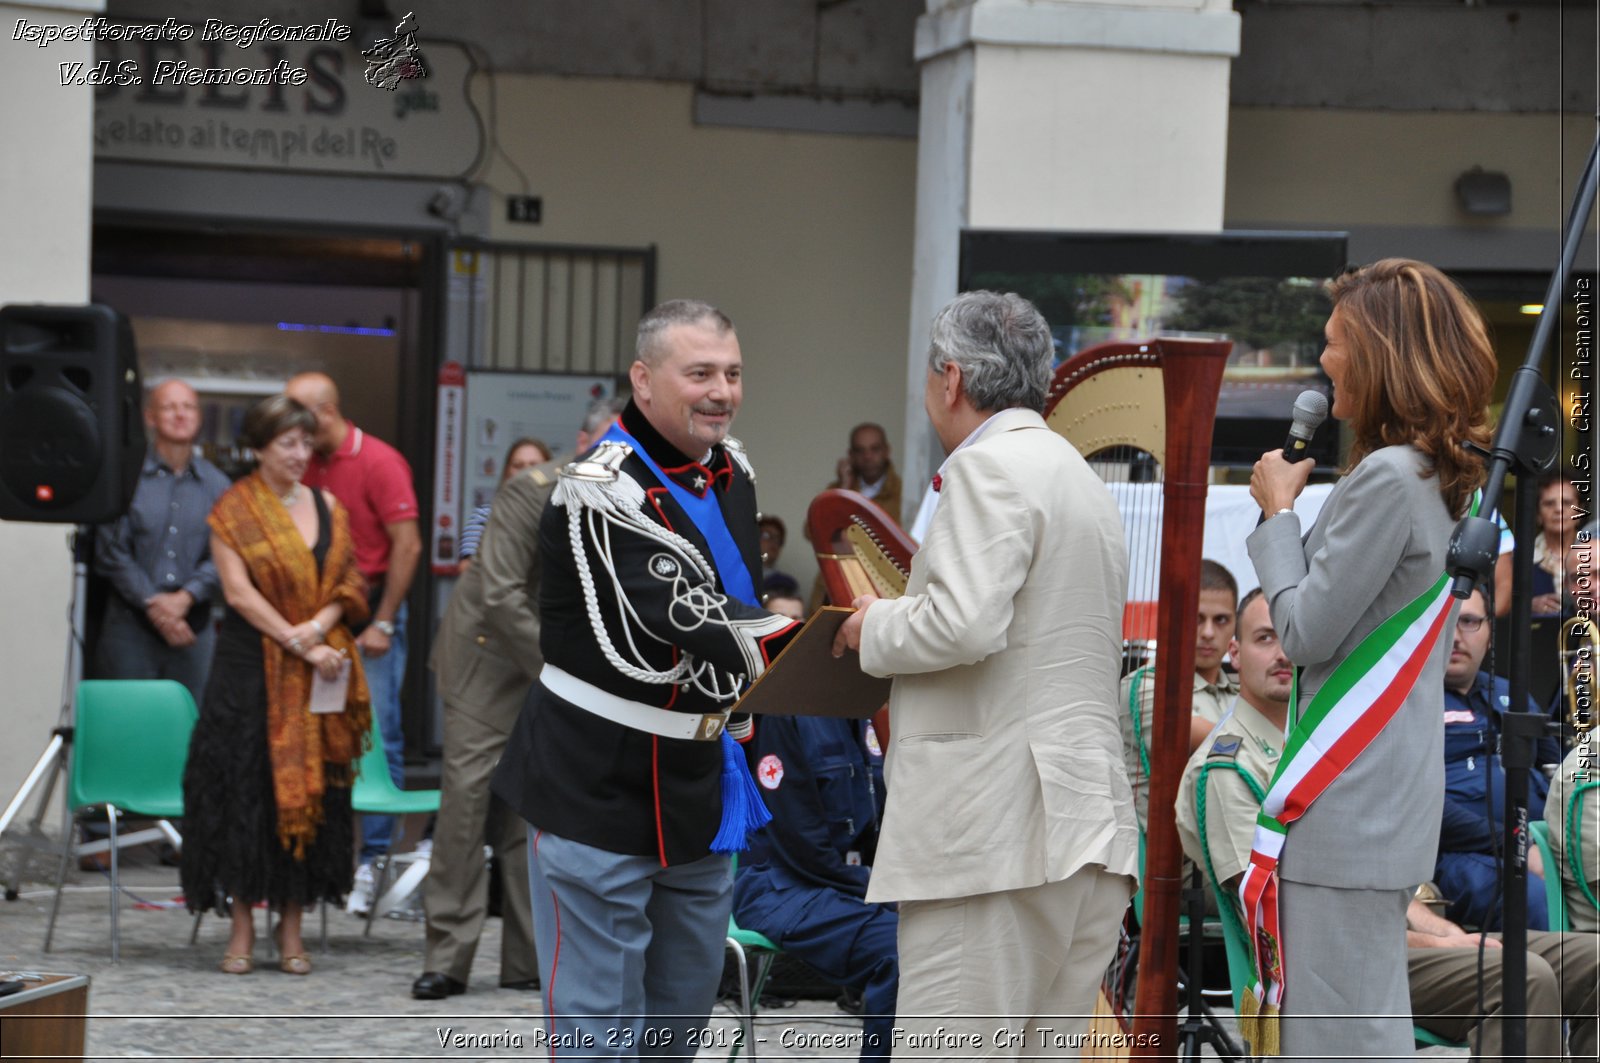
[[45, 179], [1059, 114]]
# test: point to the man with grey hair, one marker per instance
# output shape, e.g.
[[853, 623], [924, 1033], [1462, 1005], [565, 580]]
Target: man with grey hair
[[1009, 829], [626, 763]]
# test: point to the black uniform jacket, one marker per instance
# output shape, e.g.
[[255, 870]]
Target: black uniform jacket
[[581, 776]]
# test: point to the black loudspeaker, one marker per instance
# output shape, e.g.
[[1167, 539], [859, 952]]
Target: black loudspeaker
[[71, 423]]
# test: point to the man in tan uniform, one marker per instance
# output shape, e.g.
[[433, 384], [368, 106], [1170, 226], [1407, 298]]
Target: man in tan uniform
[[1214, 687], [1248, 741], [1215, 691], [1581, 767], [486, 656], [1441, 958]]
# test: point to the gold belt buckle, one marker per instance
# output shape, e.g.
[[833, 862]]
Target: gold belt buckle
[[711, 725]]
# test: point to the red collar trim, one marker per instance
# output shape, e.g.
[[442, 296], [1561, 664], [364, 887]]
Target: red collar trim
[[685, 476]]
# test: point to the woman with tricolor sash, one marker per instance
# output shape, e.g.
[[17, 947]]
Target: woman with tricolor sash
[[1351, 820]]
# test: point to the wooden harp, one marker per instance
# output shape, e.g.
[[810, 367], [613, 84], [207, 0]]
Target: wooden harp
[[1141, 413], [860, 550]]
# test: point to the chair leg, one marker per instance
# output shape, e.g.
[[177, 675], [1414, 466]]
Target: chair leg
[[194, 935], [116, 938], [763, 969], [61, 875], [746, 1015], [322, 906], [379, 887]]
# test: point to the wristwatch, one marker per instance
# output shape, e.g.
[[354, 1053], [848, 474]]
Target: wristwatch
[[384, 626]]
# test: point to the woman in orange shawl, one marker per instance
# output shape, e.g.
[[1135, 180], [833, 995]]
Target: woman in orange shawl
[[267, 787]]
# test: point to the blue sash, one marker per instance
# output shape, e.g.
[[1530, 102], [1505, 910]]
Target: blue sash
[[742, 808], [706, 514]]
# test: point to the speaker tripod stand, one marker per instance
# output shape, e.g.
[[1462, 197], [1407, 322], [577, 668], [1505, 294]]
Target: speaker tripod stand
[[26, 852]]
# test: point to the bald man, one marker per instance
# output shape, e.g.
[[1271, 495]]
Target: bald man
[[157, 556], [374, 483]]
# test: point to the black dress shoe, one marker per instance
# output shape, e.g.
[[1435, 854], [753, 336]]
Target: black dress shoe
[[435, 986], [527, 985]]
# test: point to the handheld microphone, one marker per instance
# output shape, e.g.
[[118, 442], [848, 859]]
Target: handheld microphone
[[1310, 410]]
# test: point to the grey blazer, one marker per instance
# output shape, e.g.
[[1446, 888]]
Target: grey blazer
[[486, 653], [1379, 542]]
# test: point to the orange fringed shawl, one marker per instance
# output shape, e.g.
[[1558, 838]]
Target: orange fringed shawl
[[308, 751]]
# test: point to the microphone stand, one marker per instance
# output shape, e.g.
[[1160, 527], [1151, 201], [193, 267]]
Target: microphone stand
[[1527, 439]]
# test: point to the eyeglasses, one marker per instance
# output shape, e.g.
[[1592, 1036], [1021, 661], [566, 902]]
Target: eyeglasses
[[1470, 625]]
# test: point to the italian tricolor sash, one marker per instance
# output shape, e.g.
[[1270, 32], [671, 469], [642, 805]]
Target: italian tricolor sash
[[1353, 706]]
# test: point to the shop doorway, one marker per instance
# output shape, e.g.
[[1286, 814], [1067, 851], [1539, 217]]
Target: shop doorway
[[235, 309]]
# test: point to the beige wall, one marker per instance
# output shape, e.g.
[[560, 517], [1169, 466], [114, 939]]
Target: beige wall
[[1327, 169], [805, 240], [1052, 147], [45, 189]]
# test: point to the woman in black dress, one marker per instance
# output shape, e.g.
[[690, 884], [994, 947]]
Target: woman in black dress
[[267, 786]]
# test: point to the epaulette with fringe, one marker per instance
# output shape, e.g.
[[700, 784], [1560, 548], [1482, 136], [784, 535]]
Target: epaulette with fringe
[[603, 464], [735, 450]]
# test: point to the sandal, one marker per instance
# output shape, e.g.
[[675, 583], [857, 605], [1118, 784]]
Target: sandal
[[298, 963], [237, 963]]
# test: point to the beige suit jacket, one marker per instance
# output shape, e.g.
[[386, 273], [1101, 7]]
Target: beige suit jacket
[[1005, 768]]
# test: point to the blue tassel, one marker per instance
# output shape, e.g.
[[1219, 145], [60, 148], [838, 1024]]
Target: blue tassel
[[742, 808]]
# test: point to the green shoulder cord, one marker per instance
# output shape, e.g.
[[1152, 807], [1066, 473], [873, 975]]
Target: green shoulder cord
[[1574, 833], [1225, 908], [1138, 725]]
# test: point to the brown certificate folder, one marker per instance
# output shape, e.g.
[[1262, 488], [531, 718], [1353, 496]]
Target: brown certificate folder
[[807, 680]]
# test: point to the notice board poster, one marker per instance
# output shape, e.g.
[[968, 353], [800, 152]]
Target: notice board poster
[[504, 407]]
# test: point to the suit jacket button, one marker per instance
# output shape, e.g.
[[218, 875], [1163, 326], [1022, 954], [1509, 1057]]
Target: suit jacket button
[[483, 640]]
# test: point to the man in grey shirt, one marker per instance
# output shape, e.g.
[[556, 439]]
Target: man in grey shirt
[[157, 556]]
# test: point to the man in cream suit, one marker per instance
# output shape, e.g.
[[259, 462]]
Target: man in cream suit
[[1009, 838]]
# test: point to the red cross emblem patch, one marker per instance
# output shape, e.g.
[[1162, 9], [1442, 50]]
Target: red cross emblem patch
[[770, 771]]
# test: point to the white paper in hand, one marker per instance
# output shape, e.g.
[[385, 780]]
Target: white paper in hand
[[328, 695]]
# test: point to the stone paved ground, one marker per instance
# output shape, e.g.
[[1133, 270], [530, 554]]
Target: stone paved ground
[[166, 999]]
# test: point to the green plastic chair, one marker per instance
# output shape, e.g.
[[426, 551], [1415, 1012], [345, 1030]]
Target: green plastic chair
[[744, 943], [1555, 898], [375, 794], [129, 746]]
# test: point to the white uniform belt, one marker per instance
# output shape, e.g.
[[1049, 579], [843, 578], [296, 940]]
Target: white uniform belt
[[693, 726]]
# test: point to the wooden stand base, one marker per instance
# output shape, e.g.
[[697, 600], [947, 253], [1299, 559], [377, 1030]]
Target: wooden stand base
[[47, 1019]]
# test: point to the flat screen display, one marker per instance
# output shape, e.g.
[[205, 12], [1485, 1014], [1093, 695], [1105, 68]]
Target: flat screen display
[[1262, 290]]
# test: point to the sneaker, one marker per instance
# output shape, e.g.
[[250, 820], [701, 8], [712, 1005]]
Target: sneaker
[[360, 900]]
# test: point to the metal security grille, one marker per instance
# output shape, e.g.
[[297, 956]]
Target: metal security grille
[[547, 308]]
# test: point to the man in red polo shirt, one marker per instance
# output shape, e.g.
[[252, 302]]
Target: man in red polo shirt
[[373, 482]]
